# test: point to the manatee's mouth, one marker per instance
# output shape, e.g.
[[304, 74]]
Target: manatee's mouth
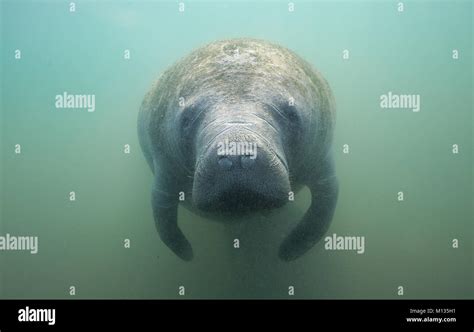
[[241, 201]]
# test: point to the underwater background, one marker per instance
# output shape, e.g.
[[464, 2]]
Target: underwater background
[[363, 48]]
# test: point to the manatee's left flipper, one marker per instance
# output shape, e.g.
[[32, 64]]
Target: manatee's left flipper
[[316, 221], [165, 213]]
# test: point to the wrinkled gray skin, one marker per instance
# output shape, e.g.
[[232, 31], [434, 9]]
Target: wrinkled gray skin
[[240, 90]]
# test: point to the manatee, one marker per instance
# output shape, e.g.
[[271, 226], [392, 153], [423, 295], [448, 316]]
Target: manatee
[[236, 127]]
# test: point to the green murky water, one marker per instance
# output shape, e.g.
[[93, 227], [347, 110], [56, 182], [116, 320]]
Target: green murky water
[[408, 243]]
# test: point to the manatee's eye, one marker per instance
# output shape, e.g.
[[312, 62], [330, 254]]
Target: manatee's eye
[[186, 119], [291, 113]]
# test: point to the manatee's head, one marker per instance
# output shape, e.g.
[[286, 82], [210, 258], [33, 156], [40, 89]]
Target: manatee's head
[[245, 117]]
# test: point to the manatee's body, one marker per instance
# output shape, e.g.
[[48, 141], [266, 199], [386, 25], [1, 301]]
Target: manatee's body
[[246, 93]]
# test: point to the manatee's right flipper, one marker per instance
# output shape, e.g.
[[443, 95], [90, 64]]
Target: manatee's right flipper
[[165, 213], [316, 221]]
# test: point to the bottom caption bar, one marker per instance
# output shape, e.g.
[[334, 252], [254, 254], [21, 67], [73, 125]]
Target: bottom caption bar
[[62, 315]]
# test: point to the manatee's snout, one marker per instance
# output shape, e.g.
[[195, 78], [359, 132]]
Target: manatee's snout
[[239, 171]]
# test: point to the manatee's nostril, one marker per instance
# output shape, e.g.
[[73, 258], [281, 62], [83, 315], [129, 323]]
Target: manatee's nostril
[[247, 161], [225, 163]]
